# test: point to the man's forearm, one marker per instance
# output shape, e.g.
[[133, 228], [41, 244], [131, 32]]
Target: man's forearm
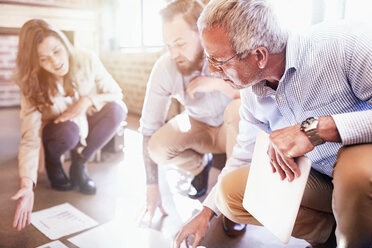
[[150, 166], [327, 129], [207, 212]]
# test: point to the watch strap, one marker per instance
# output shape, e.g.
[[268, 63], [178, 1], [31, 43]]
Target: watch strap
[[314, 137]]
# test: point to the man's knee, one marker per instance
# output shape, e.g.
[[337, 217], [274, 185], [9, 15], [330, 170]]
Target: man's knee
[[228, 187], [353, 171], [168, 141], [231, 114], [352, 178], [230, 193], [157, 149], [352, 196]]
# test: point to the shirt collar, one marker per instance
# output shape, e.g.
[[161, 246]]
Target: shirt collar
[[205, 70], [292, 51], [263, 89]]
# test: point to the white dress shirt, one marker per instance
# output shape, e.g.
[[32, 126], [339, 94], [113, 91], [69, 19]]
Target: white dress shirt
[[166, 82]]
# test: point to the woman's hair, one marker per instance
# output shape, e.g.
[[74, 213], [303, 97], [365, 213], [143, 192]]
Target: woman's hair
[[190, 9], [249, 24], [36, 84]]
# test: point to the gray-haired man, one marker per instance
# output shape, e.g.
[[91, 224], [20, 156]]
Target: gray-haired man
[[313, 93]]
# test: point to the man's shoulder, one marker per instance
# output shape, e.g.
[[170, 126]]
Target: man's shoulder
[[333, 31], [165, 63], [165, 75], [328, 37]]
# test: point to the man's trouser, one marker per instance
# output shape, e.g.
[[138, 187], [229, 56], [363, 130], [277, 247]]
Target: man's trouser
[[346, 199], [183, 141]]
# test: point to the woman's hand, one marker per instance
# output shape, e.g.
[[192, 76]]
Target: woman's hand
[[25, 203], [78, 108]]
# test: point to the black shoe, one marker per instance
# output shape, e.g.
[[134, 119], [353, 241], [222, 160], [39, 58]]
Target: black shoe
[[57, 177], [79, 176], [199, 184], [231, 228]]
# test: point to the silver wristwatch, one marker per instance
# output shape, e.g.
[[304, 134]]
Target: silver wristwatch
[[309, 127]]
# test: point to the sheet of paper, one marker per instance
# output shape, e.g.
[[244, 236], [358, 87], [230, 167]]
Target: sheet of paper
[[273, 202], [61, 220], [54, 244], [117, 234]]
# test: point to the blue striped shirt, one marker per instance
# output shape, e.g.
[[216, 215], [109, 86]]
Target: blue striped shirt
[[328, 72]]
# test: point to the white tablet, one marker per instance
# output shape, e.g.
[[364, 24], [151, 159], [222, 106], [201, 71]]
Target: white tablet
[[273, 202]]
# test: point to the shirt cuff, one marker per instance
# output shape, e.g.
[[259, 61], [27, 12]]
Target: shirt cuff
[[210, 202], [34, 180], [354, 127]]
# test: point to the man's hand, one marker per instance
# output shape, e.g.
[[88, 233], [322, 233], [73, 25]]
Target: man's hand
[[203, 84], [285, 145], [196, 227], [153, 200], [290, 142], [25, 203], [78, 108], [210, 84]]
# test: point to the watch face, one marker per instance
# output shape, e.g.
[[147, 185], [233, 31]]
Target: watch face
[[307, 123], [309, 126]]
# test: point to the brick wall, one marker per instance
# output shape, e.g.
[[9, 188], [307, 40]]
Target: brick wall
[[9, 92], [132, 71]]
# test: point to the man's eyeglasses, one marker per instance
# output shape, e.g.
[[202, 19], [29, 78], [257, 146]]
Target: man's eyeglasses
[[217, 63]]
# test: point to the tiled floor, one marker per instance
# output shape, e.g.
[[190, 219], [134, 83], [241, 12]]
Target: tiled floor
[[120, 180]]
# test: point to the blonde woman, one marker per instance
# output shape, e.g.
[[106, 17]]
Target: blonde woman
[[69, 103]]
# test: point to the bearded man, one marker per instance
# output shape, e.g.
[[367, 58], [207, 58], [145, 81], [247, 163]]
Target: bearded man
[[209, 123]]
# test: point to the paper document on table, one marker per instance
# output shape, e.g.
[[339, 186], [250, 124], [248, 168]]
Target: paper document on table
[[273, 202], [54, 244], [61, 220], [117, 234]]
